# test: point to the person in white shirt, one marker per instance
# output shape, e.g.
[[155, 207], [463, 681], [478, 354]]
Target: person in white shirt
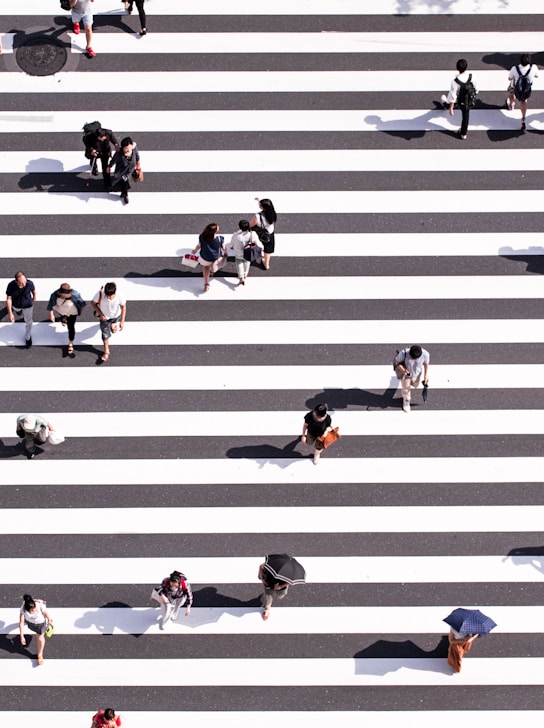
[[524, 70], [457, 96], [111, 309], [33, 614], [409, 365], [242, 237]]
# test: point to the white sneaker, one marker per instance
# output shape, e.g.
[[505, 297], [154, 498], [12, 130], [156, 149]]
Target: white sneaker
[[444, 100], [406, 405]]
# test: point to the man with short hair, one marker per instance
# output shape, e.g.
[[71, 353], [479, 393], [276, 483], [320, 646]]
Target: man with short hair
[[81, 11], [524, 70], [111, 309], [409, 364], [20, 297], [457, 95]]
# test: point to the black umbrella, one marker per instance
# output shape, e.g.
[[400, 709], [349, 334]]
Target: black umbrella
[[285, 568], [425, 391]]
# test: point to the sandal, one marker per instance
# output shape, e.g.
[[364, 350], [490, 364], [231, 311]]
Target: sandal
[[104, 357], [70, 348], [206, 287], [40, 659], [266, 614]]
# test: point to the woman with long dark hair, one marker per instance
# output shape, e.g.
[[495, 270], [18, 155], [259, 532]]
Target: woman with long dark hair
[[33, 615], [266, 218], [212, 247]]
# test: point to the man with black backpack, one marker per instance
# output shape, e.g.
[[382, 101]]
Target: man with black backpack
[[463, 93], [98, 145], [521, 79]]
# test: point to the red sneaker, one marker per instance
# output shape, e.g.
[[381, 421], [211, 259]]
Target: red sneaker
[[76, 28], [90, 52]]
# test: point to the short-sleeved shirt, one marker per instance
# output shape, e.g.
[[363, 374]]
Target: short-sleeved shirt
[[211, 251], [513, 74], [21, 297], [414, 366], [100, 720], [316, 429], [83, 7], [240, 239], [454, 88], [37, 616], [40, 422], [110, 307]]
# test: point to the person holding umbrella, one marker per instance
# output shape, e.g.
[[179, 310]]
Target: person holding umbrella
[[465, 626], [276, 574]]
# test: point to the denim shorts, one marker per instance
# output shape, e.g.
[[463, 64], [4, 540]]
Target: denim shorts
[[86, 17]]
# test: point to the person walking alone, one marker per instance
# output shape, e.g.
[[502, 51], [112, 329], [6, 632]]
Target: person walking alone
[[272, 587], [81, 11], [32, 429], [459, 644], [33, 614], [316, 424], [174, 592], [463, 93], [521, 79], [409, 365]]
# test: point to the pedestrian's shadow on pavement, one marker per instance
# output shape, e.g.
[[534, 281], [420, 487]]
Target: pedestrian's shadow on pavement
[[265, 453], [184, 280], [337, 399], [507, 60], [11, 451], [389, 656], [533, 256], [12, 643], [527, 556], [108, 619]]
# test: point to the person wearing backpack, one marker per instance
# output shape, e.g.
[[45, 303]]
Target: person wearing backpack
[[463, 93], [521, 79], [98, 145]]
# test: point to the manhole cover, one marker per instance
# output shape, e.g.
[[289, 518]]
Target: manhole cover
[[41, 56]]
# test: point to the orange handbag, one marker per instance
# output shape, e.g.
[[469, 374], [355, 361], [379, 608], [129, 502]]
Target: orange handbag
[[331, 436]]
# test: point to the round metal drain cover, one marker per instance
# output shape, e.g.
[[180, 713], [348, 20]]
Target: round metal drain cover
[[41, 56]]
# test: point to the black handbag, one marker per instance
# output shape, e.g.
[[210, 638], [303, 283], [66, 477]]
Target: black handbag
[[252, 252]]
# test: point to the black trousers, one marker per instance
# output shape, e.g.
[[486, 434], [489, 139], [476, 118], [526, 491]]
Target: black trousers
[[141, 11], [464, 121]]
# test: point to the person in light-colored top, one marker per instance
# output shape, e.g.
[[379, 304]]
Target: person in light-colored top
[[67, 304], [409, 365], [459, 644], [457, 96], [33, 615], [111, 308], [82, 11], [266, 218], [32, 429], [242, 237], [527, 70]]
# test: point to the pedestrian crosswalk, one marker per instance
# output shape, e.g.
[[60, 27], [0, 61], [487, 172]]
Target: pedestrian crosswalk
[[182, 451]]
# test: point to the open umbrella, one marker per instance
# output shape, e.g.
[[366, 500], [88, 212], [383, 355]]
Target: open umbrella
[[470, 621], [285, 568]]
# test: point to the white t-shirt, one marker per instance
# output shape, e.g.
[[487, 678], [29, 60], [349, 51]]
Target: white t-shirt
[[65, 307], [37, 616], [513, 74], [242, 238], [110, 307], [454, 88], [414, 366]]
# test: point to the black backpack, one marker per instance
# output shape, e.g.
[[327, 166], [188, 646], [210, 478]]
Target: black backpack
[[466, 98], [523, 85], [89, 130], [65, 4]]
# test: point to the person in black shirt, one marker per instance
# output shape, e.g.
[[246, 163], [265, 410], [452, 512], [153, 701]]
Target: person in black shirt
[[20, 297], [316, 424], [98, 145], [272, 587]]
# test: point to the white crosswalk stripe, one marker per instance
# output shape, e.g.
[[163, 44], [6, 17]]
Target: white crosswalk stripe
[[183, 452]]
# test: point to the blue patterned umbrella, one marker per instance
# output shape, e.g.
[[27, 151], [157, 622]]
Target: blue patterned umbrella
[[470, 621]]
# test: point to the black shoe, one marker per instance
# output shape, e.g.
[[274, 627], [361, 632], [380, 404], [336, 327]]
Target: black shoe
[[30, 455], [125, 199], [94, 171], [28, 343]]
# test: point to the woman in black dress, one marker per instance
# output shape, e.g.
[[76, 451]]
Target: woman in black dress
[[266, 218]]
